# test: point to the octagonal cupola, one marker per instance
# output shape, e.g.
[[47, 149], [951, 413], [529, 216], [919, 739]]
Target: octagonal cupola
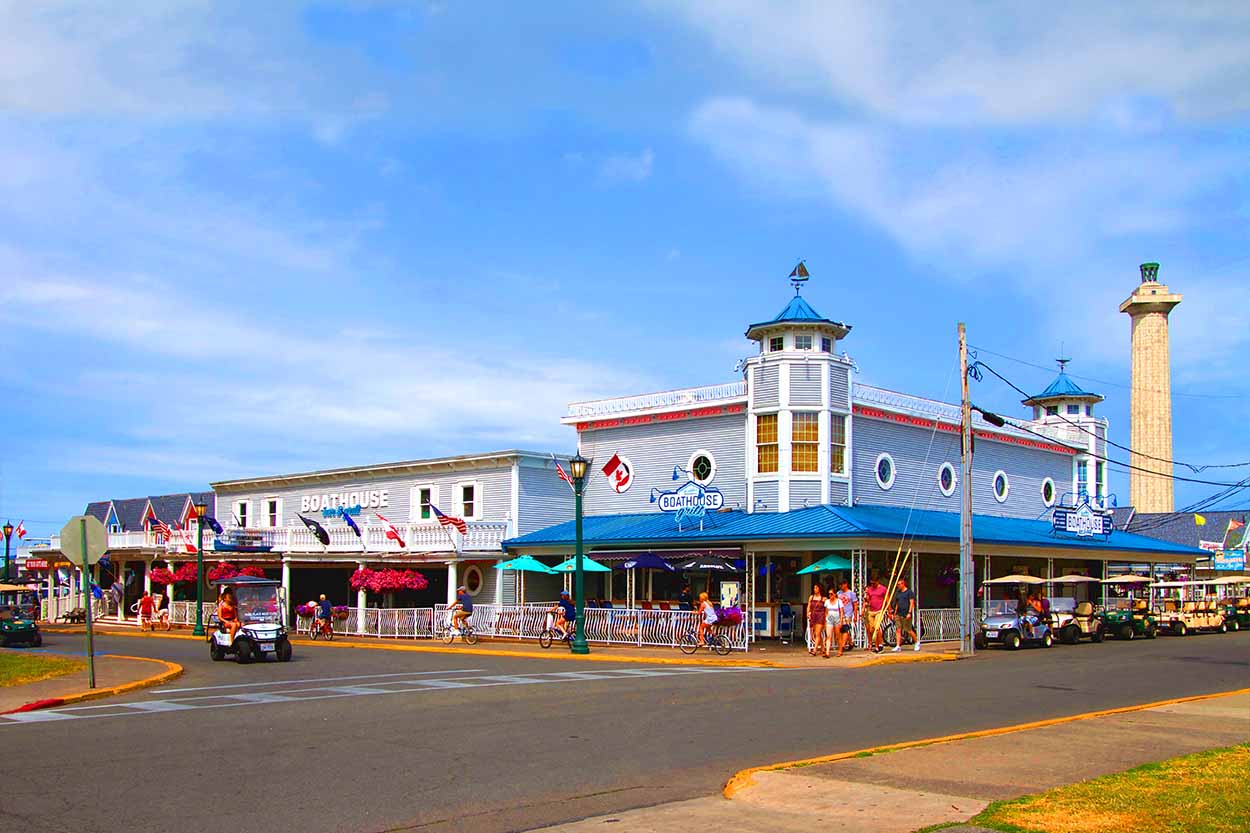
[[1063, 400], [798, 326]]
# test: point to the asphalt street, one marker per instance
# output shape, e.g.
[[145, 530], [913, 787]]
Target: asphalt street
[[361, 740]]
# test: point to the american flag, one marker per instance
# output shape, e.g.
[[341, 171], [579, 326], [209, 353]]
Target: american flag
[[561, 473], [451, 520], [160, 527]]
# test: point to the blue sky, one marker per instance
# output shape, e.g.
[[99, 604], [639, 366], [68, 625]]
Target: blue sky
[[238, 241]]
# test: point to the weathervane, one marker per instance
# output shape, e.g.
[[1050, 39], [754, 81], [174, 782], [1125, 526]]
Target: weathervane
[[799, 276]]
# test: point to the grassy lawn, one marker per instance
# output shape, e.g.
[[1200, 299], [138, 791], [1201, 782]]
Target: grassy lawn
[[1201, 793], [16, 668]]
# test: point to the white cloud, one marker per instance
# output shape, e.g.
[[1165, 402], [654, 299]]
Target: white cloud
[[627, 167]]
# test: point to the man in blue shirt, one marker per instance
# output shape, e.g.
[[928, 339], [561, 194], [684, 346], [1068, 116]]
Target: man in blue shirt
[[324, 611], [565, 613], [462, 607]]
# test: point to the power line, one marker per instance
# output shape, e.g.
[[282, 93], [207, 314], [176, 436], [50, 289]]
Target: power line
[[1194, 468]]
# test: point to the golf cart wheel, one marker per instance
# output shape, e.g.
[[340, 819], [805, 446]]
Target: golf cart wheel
[[217, 652], [1223, 627], [1234, 625], [544, 639], [689, 643], [37, 641], [1126, 633], [1151, 631], [284, 650], [243, 651], [979, 642], [1048, 639], [469, 636], [1070, 635], [1181, 629], [1012, 641], [1097, 634], [720, 643]]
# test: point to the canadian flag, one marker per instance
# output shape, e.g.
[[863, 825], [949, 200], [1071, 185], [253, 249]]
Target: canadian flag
[[21, 529], [619, 473]]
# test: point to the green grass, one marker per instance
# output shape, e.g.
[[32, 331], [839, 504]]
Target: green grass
[[1200, 793], [16, 669]]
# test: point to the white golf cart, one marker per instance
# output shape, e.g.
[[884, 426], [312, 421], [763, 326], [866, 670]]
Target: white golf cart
[[1184, 608], [261, 605], [1073, 618], [1006, 623]]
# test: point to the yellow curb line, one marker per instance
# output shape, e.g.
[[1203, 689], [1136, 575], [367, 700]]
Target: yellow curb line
[[744, 778], [172, 671]]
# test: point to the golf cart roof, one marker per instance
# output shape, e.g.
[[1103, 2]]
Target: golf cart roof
[[1128, 579], [1229, 580], [246, 581], [1074, 580], [1016, 580]]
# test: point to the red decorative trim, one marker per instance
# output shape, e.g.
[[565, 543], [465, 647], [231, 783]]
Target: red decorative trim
[[671, 416], [905, 419]]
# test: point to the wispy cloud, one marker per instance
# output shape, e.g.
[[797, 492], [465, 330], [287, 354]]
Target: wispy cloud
[[627, 167]]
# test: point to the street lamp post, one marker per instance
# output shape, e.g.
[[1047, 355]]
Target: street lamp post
[[577, 470], [8, 533], [200, 511]]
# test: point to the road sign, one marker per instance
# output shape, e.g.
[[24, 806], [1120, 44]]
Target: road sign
[[72, 536]]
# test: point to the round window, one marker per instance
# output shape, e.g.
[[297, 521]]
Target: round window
[[885, 471], [1001, 486], [946, 479], [1048, 492], [702, 466], [472, 580]]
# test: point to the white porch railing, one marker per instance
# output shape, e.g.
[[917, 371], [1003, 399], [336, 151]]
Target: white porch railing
[[663, 399]]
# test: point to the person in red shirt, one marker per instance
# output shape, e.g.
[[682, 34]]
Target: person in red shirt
[[147, 606], [874, 597]]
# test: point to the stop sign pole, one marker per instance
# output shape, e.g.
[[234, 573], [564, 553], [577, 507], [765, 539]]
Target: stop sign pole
[[85, 537]]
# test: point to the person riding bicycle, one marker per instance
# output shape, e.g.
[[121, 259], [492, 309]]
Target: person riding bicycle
[[707, 617], [462, 608], [565, 615], [324, 613]]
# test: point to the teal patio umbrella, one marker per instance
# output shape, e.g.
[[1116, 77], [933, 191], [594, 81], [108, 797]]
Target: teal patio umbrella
[[588, 564], [826, 564], [524, 564]]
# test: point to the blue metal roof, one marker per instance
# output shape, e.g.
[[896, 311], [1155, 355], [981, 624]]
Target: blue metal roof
[[1062, 388], [834, 523], [798, 311]]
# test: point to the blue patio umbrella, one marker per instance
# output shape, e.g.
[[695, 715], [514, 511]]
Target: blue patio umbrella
[[829, 562], [646, 561]]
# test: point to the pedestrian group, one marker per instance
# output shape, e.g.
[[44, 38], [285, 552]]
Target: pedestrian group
[[832, 612]]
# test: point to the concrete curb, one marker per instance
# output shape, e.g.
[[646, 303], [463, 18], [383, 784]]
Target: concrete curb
[[172, 671], [744, 778]]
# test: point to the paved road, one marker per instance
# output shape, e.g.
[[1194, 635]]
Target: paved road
[[358, 740]]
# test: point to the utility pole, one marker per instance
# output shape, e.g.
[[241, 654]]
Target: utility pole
[[967, 578]]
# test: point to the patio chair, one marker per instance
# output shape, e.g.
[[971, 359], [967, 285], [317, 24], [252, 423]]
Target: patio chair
[[785, 623]]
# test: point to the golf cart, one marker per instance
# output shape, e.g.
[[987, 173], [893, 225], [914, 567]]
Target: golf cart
[[1234, 601], [261, 605], [1071, 619], [1128, 617], [1183, 610], [1004, 621], [18, 627]]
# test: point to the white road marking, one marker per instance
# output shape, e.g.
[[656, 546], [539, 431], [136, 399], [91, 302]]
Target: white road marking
[[408, 686], [316, 680]]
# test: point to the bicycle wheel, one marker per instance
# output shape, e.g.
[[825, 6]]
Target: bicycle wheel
[[330, 634], [689, 643], [544, 639], [469, 636], [720, 643], [448, 634]]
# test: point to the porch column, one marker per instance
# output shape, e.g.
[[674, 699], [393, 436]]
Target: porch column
[[52, 600], [452, 582], [120, 576], [362, 598], [286, 577], [147, 576], [499, 585]]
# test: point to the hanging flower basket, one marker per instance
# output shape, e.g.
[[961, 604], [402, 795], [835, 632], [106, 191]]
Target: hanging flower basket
[[729, 616], [305, 611], [186, 573], [386, 581], [948, 577], [253, 571], [340, 612], [162, 576], [222, 570]]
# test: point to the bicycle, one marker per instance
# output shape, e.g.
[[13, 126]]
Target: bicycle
[[448, 634], [551, 633], [714, 641], [322, 627]]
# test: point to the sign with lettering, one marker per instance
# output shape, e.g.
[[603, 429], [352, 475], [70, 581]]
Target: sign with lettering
[[334, 504], [1228, 560], [36, 564], [690, 500], [1082, 521]]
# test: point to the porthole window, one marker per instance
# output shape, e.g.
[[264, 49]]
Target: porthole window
[[1048, 492], [472, 580], [884, 470], [946, 479], [702, 466], [1001, 486]]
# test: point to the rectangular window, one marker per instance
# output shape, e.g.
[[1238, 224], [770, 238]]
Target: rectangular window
[[804, 442], [271, 509], [1082, 480], [766, 443], [425, 498], [240, 512], [1100, 474], [1074, 410], [1051, 410], [775, 344], [468, 500], [826, 345], [837, 444], [1089, 410], [802, 342]]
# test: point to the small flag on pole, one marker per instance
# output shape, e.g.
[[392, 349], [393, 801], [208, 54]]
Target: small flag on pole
[[561, 473], [318, 531], [1199, 520], [351, 523], [159, 527], [21, 529], [213, 524], [451, 520], [392, 534]]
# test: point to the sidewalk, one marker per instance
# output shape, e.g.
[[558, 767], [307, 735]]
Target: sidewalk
[[771, 655], [903, 790], [113, 675]]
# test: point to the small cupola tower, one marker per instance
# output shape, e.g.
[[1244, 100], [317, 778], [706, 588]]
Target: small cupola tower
[[1066, 410], [799, 409]]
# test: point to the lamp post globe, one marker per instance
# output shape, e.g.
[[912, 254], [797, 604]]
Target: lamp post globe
[[577, 471], [200, 511], [8, 533]]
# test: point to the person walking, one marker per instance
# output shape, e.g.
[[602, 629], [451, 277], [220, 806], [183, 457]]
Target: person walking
[[848, 608], [874, 597], [816, 616], [904, 609]]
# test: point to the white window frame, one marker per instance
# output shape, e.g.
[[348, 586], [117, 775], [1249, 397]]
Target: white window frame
[[277, 521], [477, 500], [845, 446], [481, 579], [798, 344], [826, 344], [954, 479], [780, 349], [414, 503], [245, 516], [796, 473], [702, 452], [885, 485], [1006, 486], [1054, 491]]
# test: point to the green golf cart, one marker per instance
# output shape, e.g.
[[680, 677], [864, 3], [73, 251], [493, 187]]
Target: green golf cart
[[17, 623], [1128, 617], [1234, 594]]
